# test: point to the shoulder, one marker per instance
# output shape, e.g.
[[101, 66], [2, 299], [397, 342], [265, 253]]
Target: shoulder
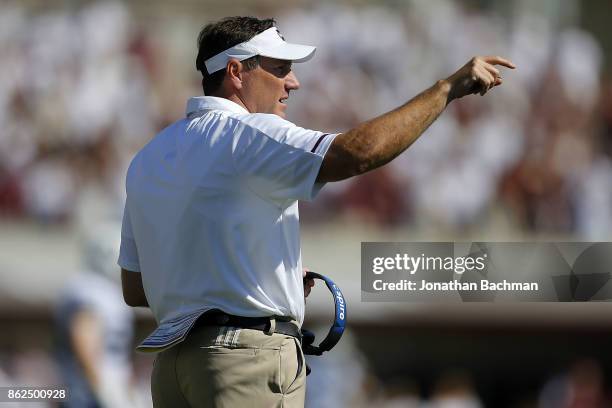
[[279, 130], [264, 120], [266, 123]]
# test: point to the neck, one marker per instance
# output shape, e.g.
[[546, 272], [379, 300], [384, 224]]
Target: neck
[[232, 97]]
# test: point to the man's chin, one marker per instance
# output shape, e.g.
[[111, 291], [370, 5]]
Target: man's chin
[[281, 110]]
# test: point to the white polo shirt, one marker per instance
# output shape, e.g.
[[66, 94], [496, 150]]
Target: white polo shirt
[[211, 218]]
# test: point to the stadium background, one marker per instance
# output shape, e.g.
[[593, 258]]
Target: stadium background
[[84, 84]]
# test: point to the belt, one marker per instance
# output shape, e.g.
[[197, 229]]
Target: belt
[[218, 318]]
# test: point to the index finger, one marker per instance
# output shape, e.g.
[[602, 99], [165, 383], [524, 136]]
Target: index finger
[[499, 61]]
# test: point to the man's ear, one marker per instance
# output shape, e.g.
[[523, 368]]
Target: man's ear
[[233, 71]]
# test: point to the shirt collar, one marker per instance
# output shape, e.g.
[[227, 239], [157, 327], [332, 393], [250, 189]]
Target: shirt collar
[[200, 103]]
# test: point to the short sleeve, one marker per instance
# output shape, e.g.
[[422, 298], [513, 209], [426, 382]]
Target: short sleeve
[[280, 160], [128, 252]]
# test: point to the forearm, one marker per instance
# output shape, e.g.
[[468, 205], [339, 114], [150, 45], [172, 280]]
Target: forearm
[[378, 141], [85, 337]]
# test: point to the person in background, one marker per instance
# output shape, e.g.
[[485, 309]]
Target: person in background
[[94, 328]]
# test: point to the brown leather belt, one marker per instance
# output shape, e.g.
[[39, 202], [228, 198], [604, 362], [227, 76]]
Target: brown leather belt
[[216, 317]]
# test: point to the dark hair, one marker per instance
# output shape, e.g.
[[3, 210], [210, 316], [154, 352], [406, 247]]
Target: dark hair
[[221, 35]]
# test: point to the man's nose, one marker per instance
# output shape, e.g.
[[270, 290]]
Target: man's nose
[[291, 81]]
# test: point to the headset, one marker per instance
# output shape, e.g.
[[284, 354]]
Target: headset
[[335, 332]]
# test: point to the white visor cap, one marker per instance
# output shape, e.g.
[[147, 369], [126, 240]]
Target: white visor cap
[[268, 43]]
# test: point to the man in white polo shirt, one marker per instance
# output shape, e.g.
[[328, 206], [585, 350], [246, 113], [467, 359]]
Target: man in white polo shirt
[[210, 237]]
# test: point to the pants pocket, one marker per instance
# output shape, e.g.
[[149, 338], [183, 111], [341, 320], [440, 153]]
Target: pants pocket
[[292, 365], [251, 351]]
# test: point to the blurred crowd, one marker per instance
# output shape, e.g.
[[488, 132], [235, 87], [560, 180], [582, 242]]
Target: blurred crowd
[[74, 105], [80, 92]]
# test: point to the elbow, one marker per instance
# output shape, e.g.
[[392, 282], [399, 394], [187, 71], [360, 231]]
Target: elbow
[[345, 161], [129, 300], [356, 161], [363, 165], [363, 160], [362, 157], [132, 289], [135, 299]]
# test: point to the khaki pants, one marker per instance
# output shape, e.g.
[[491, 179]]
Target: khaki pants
[[227, 367]]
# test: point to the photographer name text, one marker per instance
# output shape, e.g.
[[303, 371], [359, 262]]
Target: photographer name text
[[453, 285]]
